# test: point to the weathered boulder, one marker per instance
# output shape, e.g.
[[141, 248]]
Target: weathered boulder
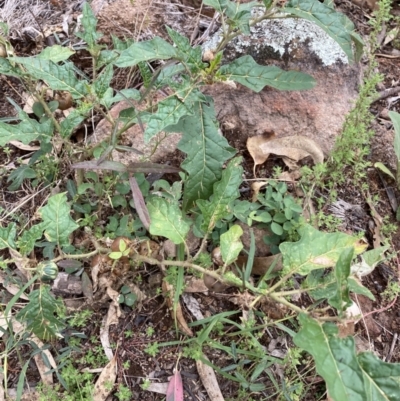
[[290, 44]]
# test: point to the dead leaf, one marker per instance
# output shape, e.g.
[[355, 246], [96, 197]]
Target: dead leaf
[[21, 262], [193, 306], [1, 387], [108, 320], [253, 146], [11, 288], [194, 284], [140, 204], [175, 388], [22, 146], [160, 388], [209, 380], [255, 187], [104, 384], [294, 147], [47, 378], [87, 286], [168, 291]]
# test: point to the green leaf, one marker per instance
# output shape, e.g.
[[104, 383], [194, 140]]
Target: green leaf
[[154, 49], [395, 117], [39, 315], [71, 122], [248, 73], [382, 379], [169, 112], [335, 359], [27, 240], [231, 244], [206, 151], [316, 250], [7, 68], [383, 168], [225, 191], [19, 175], [58, 222], [335, 24], [26, 131], [357, 288], [341, 300], [166, 220], [276, 228], [192, 56], [102, 83], [89, 23], [7, 236], [58, 77], [56, 53], [240, 15], [218, 5]]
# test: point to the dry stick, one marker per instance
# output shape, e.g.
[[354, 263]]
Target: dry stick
[[389, 355], [388, 92]]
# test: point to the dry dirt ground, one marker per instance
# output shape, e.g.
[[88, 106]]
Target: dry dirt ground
[[142, 21]]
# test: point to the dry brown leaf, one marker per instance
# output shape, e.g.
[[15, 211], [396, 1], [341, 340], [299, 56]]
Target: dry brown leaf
[[168, 291], [255, 187], [21, 262], [209, 380], [22, 146], [103, 386], [294, 147], [47, 378], [108, 320], [253, 146], [194, 284], [160, 388], [11, 288]]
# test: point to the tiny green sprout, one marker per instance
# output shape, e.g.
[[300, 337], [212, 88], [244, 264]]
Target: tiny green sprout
[[146, 384], [150, 331], [123, 251], [126, 365]]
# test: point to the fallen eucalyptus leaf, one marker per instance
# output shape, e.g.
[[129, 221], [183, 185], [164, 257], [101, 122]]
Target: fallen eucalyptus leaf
[[175, 388]]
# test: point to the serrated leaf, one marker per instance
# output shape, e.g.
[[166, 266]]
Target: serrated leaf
[[89, 23], [56, 53], [382, 379], [191, 55], [327, 18], [7, 68], [58, 222], [26, 131], [125, 94], [316, 250], [19, 175], [169, 112], [231, 244], [206, 151], [71, 122], [39, 315], [58, 77], [248, 73], [154, 49], [240, 15], [102, 83], [27, 240], [7, 236], [369, 260], [335, 359], [225, 191], [166, 220], [341, 300]]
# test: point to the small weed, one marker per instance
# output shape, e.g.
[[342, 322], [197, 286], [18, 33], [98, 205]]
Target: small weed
[[152, 349], [123, 393]]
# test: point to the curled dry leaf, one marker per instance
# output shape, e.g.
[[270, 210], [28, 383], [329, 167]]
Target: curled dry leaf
[[175, 388], [108, 320], [47, 378], [294, 147], [168, 291]]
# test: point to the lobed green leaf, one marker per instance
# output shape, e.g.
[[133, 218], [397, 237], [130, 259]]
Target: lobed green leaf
[[335, 24], [316, 250], [225, 191], [58, 222], [154, 49], [206, 151], [166, 219]]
